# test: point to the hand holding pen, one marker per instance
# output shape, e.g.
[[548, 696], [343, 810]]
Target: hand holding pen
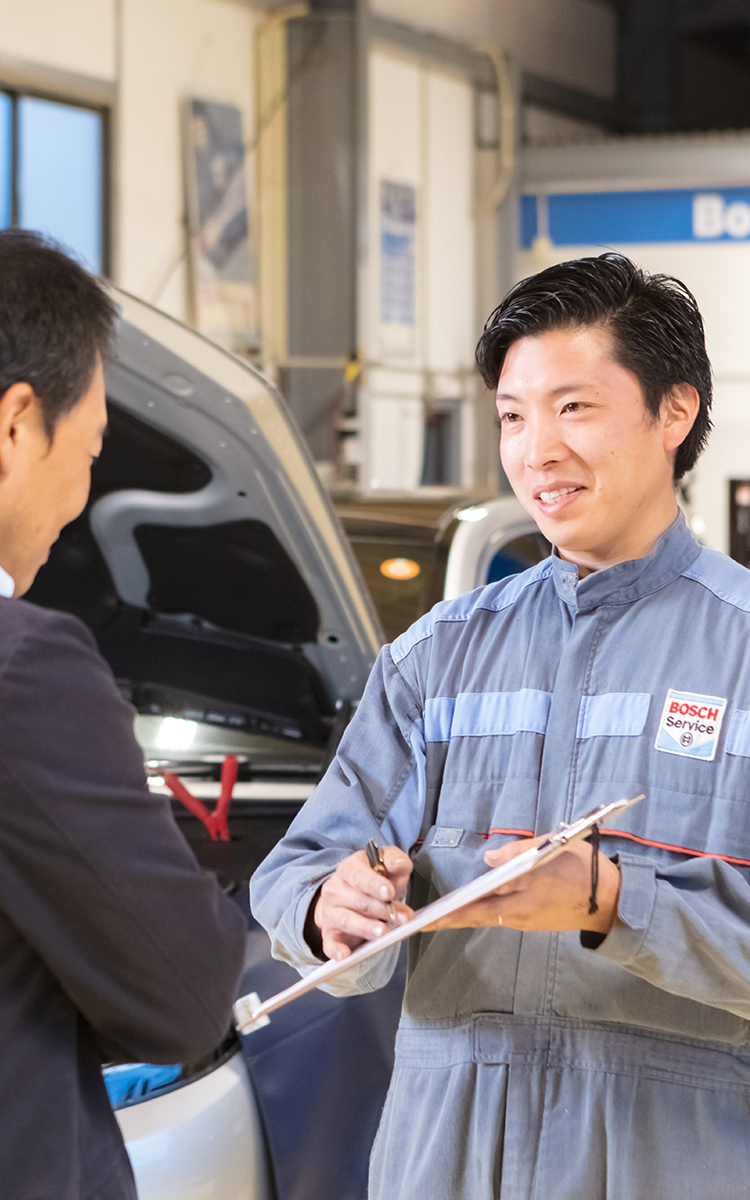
[[361, 901]]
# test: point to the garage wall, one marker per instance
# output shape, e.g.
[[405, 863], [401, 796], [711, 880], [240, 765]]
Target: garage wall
[[77, 35], [153, 54], [422, 134], [421, 138], [170, 50], [156, 53]]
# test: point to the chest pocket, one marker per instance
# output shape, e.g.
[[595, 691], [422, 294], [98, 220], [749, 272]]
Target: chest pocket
[[449, 858], [484, 752]]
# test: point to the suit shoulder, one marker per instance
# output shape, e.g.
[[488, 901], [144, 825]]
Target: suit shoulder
[[22, 621]]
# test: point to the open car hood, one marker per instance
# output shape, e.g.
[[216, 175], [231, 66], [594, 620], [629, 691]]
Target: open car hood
[[208, 562]]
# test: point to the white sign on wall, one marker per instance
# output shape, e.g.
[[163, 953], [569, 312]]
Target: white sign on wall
[[398, 225]]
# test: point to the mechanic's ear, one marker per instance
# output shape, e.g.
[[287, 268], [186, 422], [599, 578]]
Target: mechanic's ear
[[679, 408], [19, 414]]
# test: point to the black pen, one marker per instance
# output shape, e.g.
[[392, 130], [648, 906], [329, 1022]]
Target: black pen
[[374, 854]]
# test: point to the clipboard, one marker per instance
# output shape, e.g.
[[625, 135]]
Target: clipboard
[[250, 1013]]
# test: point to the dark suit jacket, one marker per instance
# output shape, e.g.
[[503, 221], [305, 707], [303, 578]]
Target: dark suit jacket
[[112, 940]]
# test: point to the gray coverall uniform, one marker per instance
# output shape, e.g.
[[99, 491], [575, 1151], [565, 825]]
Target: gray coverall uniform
[[529, 1065]]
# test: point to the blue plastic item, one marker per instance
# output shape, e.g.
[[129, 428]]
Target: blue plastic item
[[134, 1081]]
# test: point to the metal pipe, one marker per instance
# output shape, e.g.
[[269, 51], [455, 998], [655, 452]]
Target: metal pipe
[[506, 131]]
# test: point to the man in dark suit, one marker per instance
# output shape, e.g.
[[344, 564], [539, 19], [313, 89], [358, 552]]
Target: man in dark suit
[[113, 943]]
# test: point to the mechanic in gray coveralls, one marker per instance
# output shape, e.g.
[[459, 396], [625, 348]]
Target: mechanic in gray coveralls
[[546, 1051]]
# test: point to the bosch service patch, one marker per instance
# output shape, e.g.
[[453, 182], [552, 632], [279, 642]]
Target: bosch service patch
[[690, 725]]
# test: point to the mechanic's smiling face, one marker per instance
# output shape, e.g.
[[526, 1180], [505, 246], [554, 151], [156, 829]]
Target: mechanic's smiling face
[[583, 454], [44, 484]]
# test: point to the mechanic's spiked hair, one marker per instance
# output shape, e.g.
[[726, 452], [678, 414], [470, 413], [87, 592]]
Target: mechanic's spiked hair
[[654, 321], [56, 323]]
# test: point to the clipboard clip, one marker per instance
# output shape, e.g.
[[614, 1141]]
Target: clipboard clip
[[568, 833]]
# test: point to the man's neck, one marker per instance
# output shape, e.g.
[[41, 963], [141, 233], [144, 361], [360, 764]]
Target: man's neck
[[589, 562]]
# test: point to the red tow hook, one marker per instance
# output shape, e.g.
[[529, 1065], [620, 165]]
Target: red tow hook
[[216, 822]]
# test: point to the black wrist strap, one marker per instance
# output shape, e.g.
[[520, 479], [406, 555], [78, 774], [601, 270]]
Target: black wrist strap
[[593, 838]]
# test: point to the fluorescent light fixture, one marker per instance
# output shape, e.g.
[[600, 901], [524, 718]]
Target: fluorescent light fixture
[[176, 734]]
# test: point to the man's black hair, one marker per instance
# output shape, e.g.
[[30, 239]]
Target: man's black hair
[[56, 323], [654, 322]]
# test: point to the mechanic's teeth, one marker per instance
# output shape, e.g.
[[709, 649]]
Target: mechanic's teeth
[[548, 497]]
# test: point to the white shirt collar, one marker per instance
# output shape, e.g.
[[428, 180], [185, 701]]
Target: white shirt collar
[[7, 585]]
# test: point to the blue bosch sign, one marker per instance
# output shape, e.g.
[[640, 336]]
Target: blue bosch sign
[[622, 218]]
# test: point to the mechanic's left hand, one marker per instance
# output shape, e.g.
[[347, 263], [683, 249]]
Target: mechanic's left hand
[[553, 896]]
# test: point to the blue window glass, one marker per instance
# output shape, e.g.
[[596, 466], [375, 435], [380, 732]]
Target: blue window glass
[[60, 176], [5, 160]]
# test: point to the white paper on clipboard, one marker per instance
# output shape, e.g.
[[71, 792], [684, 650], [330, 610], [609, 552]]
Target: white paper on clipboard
[[250, 1013]]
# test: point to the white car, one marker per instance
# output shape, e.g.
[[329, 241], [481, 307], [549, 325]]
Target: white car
[[492, 540]]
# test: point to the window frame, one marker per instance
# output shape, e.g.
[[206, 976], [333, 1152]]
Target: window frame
[[16, 93]]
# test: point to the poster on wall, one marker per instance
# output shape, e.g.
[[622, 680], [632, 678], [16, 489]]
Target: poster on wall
[[398, 236], [223, 235]]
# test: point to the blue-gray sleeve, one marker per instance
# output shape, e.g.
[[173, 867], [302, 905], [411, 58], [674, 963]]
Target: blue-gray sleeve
[[685, 928], [373, 788]]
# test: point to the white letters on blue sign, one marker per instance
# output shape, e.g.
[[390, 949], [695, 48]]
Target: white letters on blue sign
[[712, 217], [641, 217]]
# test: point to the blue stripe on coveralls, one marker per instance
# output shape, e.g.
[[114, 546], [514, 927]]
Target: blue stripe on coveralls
[[613, 714], [486, 714]]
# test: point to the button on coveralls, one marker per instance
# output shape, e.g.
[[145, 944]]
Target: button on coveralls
[[528, 1066]]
